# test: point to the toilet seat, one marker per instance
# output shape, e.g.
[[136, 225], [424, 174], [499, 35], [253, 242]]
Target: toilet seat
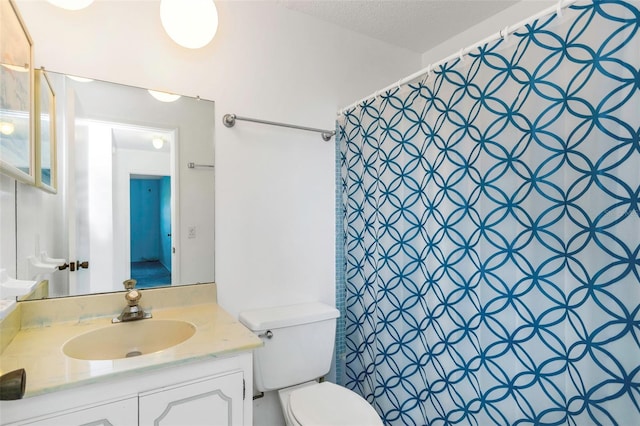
[[329, 404]]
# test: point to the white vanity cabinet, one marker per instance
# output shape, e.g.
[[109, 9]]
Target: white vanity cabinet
[[208, 392], [213, 401], [117, 413]]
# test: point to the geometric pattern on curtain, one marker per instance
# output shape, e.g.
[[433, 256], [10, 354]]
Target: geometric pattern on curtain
[[491, 231]]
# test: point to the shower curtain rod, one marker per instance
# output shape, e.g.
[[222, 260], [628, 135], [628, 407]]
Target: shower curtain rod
[[562, 4], [229, 120]]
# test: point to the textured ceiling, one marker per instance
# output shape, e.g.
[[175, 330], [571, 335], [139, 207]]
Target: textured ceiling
[[416, 25]]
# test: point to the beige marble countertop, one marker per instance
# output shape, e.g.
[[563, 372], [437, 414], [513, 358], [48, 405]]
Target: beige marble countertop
[[38, 349]]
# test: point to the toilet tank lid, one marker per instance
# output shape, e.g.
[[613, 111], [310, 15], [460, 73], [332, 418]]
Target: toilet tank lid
[[285, 316]]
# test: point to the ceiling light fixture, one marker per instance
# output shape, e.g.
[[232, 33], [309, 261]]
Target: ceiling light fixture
[[192, 23], [157, 142], [71, 4], [7, 127], [164, 96]]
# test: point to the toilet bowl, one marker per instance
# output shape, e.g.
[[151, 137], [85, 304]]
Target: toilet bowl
[[298, 348], [325, 403]]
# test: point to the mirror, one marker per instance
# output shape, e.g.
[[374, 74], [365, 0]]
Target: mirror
[[135, 188]]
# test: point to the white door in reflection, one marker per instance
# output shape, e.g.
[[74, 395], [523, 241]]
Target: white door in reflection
[[108, 158]]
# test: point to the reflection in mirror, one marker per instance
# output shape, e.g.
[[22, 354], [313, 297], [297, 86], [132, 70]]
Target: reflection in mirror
[[16, 94], [129, 196]]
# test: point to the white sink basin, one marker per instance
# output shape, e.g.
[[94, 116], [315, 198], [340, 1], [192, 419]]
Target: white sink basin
[[128, 339]]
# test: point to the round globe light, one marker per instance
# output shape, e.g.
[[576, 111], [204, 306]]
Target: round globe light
[[190, 23], [163, 96], [157, 142], [71, 4], [6, 127]]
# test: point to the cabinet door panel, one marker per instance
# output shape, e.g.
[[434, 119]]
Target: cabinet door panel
[[213, 401], [118, 413]]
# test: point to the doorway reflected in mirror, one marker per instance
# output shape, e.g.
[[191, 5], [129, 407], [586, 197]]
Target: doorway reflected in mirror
[[150, 218]]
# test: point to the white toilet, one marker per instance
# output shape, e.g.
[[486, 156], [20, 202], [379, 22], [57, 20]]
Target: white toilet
[[298, 348]]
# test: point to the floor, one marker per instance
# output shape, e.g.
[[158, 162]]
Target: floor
[[150, 274]]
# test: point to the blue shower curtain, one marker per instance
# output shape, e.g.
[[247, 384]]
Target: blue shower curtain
[[489, 232]]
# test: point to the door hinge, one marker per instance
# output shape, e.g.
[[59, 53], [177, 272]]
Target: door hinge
[[244, 389]]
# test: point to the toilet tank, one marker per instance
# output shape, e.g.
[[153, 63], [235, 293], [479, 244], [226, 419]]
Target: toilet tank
[[301, 345]]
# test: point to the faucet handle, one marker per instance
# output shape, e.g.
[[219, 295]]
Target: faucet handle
[[132, 297], [129, 284]]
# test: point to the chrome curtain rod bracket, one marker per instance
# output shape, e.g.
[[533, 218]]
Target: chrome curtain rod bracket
[[229, 120]]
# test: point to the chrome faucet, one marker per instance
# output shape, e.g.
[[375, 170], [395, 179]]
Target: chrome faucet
[[132, 311]]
